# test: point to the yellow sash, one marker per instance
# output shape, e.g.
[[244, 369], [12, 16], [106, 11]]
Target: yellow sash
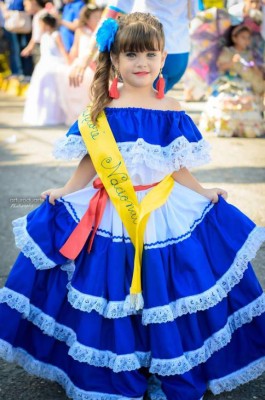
[[113, 173]]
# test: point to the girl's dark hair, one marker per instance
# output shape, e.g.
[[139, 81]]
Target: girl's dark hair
[[49, 20], [137, 32], [86, 12], [234, 31], [42, 3]]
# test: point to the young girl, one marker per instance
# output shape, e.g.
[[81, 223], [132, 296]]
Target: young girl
[[36, 8], [42, 105], [235, 106], [145, 273], [74, 100]]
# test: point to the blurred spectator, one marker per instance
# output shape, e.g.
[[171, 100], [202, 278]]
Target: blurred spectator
[[36, 8], [69, 21], [74, 100], [207, 32], [17, 42], [235, 106], [88, 20], [42, 105], [249, 12]]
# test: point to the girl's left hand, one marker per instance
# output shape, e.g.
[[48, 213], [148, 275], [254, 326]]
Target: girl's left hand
[[212, 194]]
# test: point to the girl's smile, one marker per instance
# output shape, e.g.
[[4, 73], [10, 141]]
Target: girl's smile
[[141, 73]]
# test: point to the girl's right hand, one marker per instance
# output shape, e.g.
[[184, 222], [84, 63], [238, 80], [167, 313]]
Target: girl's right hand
[[77, 75], [53, 194]]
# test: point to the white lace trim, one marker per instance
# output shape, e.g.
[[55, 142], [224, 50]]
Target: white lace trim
[[69, 148], [244, 375], [185, 305], [105, 358], [179, 153], [128, 362], [88, 303], [154, 389], [212, 296], [217, 341], [28, 246], [48, 371]]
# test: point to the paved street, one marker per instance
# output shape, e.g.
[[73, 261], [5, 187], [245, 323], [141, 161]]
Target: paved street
[[28, 168]]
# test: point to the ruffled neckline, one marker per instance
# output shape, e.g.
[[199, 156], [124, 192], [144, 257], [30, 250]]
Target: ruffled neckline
[[109, 109]]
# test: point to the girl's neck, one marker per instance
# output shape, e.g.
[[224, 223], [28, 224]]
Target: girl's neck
[[139, 98], [136, 93], [50, 31], [238, 49]]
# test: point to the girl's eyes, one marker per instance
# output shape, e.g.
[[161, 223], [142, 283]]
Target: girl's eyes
[[130, 55], [133, 55]]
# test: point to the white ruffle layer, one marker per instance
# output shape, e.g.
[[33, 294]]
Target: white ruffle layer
[[176, 219], [183, 212], [48, 371], [160, 314], [28, 246], [133, 361], [186, 305], [145, 162]]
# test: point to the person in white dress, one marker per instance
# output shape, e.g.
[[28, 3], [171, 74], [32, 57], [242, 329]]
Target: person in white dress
[[73, 101], [42, 105], [35, 8]]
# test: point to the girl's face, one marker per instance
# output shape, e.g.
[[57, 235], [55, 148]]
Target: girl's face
[[45, 27], [253, 4], [140, 69], [242, 40], [30, 6], [93, 20]]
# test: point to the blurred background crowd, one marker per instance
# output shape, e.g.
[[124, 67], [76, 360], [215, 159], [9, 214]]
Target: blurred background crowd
[[42, 41]]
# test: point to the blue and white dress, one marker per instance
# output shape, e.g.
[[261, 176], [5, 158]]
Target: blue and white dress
[[203, 321]]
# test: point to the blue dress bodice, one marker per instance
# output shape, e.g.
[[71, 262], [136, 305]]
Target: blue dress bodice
[[153, 143]]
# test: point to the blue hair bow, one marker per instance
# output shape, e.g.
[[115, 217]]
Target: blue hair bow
[[106, 34]]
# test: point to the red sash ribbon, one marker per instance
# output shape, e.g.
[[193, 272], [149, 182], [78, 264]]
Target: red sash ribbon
[[90, 219]]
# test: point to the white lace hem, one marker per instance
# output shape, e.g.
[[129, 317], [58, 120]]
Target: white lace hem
[[136, 360], [178, 154], [185, 305], [28, 246], [244, 375], [48, 371]]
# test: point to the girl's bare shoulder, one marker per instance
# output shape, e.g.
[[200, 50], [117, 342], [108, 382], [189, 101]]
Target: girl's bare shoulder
[[172, 104]]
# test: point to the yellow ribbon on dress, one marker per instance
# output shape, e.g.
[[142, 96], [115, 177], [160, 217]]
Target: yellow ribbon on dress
[[111, 169]]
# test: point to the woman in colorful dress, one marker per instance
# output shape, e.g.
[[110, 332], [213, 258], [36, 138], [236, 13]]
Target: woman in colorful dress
[[146, 273], [74, 100], [235, 105]]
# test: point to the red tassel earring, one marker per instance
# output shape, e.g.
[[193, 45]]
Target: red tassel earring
[[113, 90], [160, 86]]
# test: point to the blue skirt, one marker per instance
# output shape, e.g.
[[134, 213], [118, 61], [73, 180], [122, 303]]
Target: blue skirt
[[203, 321]]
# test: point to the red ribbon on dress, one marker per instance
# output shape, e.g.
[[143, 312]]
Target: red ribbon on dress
[[92, 217]]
